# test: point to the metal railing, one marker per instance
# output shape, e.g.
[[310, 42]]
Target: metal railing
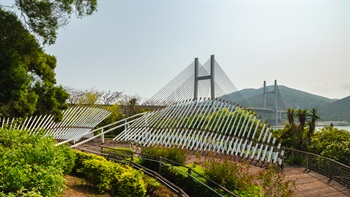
[[174, 188], [325, 166], [162, 161]]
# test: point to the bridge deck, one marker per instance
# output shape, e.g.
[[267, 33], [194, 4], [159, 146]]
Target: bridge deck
[[307, 184]]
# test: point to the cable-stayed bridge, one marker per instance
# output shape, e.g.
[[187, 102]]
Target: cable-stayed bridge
[[210, 81]]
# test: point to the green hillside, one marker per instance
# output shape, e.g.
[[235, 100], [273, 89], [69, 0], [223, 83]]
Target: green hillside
[[329, 109], [338, 110], [287, 98]]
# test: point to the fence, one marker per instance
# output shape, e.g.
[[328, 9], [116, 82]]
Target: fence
[[159, 163], [328, 167], [100, 132], [122, 159]]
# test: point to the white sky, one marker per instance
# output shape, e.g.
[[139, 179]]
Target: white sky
[[139, 46]]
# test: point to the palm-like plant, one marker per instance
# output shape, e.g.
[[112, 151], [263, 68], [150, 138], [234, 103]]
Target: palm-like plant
[[290, 116], [313, 118], [302, 115]]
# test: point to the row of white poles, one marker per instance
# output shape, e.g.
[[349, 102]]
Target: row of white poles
[[207, 125], [75, 122]]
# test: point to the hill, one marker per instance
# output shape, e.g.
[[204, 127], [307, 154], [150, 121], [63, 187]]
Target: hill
[[287, 98], [329, 109], [338, 110]]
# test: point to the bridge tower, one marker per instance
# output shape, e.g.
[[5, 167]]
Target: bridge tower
[[207, 77], [275, 93]]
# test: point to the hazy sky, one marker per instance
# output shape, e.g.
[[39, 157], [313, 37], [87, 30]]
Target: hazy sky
[[139, 46]]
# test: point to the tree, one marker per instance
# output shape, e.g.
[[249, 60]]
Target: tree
[[44, 17], [89, 97], [74, 95], [313, 118], [110, 97], [27, 78], [290, 116]]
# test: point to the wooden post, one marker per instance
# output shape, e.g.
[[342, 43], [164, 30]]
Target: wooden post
[[189, 173], [160, 165], [307, 162], [102, 136], [330, 169]]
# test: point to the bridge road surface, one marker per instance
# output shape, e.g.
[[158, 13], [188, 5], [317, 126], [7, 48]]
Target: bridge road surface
[[309, 184]]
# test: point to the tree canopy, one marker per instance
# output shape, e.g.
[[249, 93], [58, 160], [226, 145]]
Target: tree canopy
[[27, 73], [44, 17], [27, 77]]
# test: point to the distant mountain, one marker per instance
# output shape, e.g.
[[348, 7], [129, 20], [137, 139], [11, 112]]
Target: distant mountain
[[338, 110], [287, 98], [329, 109]]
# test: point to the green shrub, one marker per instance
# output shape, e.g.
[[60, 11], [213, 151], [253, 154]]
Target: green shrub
[[174, 154], [108, 176], [130, 183], [80, 157], [227, 173], [236, 177], [21, 193], [274, 183], [100, 173], [151, 185], [332, 143], [163, 192], [32, 163]]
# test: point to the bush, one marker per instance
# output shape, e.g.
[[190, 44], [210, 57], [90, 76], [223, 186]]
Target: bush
[[274, 183], [231, 175], [174, 154], [130, 183], [235, 177], [100, 173], [110, 177], [332, 143], [151, 185], [32, 164], [80, 157]]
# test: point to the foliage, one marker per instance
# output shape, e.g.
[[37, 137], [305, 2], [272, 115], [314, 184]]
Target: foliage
[[178, 175], [336, 111], [21, 193], [231, 175], [45, 17], [274, 183], [296, 135], [151, 185], [111, 177], [162, 191], [27, 78], [31, 165], [100, 173], [122, 154], [130, 183], [332, 143], [174, 154], [80, 157], [236, 177]]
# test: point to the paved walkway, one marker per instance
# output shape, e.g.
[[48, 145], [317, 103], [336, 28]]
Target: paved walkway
[[309, 184]]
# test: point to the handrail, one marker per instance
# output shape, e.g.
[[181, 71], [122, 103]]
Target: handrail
[[160, 161], [150, 172], [102, 129], [328, 167], [201, 175]]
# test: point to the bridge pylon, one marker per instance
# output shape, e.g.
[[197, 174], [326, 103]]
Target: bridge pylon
[[266, 91], [207, 77]]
